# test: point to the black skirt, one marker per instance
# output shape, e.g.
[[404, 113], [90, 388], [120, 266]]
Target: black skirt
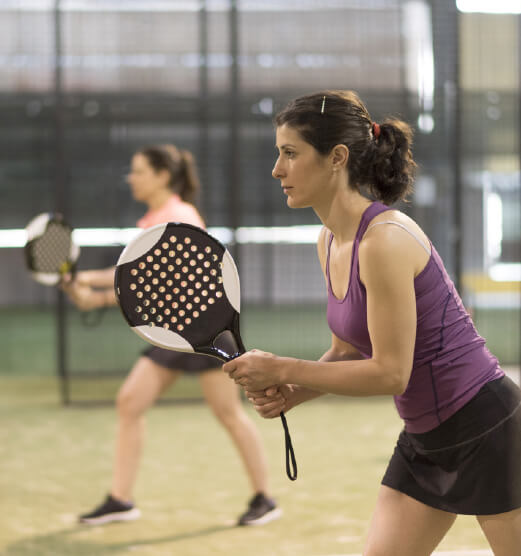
[[471, 463], [180, 361]]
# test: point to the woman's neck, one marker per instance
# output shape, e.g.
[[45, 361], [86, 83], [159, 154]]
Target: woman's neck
[[159, 199], [342, 213]]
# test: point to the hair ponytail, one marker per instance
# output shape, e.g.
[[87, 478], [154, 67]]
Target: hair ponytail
[[188, 184], [180, 164], [387, 166]]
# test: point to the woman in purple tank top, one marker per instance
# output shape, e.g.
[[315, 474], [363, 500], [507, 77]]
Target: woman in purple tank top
[[398, 328]]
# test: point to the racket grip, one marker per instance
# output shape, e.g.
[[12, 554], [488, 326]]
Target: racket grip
[[291, 462]]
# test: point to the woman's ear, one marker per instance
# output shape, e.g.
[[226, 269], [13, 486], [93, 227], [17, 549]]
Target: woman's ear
[[339, 156]]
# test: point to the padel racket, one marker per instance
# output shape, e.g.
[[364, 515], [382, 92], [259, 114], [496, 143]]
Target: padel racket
[[178, 288], [50, 253]]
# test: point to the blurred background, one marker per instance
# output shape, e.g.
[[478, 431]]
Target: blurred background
[[84, 83]]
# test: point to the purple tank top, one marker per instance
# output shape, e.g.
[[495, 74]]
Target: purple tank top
[[451, 362]]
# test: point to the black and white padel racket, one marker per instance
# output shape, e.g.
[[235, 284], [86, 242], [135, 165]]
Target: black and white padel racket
[[178, 288], [50, 251], [50, 254]]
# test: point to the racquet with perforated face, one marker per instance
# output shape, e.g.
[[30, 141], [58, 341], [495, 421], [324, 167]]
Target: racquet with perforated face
[[178, 288], [50, 254], [50, 251]]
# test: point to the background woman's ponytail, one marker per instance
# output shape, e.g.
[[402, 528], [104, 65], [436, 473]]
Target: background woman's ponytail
[[180, 164], [188, 185]]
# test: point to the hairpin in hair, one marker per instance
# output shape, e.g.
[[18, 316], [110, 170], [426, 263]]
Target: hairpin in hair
[[376, 130], [323, 104]]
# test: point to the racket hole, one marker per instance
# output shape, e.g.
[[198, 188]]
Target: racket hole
[[162, 289], [176, 290], [142, 266], [211, 300], [179, 247], [146, 303], [205, 279], [168, 297], [145, 317], [182, 298], [164, 245], [213, 272], [182, 312], [195, 314], [203, 307], [177, 275], [156, 266], [179, 261], [188, 240], [150, 258], [191, 277], [169, 282], [170, 268], [193, 248], [211, 286], [148, 273], [219, 280], [159, 318], [139, 294], [207, 249], [190, 291], [185, 269], [198, 285], [184, 283], [171, 253], [173, 320], [200, 256], [160, 303], [140, 280], [186, 254], [152, 310], [188, 320], [173, 239], [197, 299], [147, 288], [166, 326], [162, 275], [139, 309], [133, 272], [218, 294], [157, 252], [154, 295], [204, 293], [206, 264], [214, 257], [220, 265], [198, 270], [175, 305], [180, 327], [164, 260], [167, 311], [155, 281], [133, 286]]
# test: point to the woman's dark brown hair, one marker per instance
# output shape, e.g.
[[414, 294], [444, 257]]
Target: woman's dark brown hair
[[381, 161], [180, 164]]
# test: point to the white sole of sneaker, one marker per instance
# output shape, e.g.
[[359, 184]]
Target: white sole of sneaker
[[130, 515], [266, 518]]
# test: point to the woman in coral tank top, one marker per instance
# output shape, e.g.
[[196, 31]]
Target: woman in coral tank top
[[164, 178], [398, 328]]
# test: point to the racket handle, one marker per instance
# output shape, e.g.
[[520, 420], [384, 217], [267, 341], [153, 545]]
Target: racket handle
[[291, 462]]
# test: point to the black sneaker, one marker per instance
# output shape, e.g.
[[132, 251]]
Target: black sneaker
[[261, 510], [111, 509]]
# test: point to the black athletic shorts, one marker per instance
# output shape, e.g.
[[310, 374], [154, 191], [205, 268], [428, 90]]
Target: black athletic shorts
[[180, 361], [471, 463]]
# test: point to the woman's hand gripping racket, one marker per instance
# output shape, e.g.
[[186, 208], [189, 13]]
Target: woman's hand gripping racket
[[178, 288], [51, 254]]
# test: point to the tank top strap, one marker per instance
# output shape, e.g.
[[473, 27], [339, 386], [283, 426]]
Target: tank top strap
[[374, 209], [329, 241]]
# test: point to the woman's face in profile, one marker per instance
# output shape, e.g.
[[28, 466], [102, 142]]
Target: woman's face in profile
[[143, 179]]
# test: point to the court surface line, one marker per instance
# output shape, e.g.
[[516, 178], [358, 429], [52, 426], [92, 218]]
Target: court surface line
[[443, 553]]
